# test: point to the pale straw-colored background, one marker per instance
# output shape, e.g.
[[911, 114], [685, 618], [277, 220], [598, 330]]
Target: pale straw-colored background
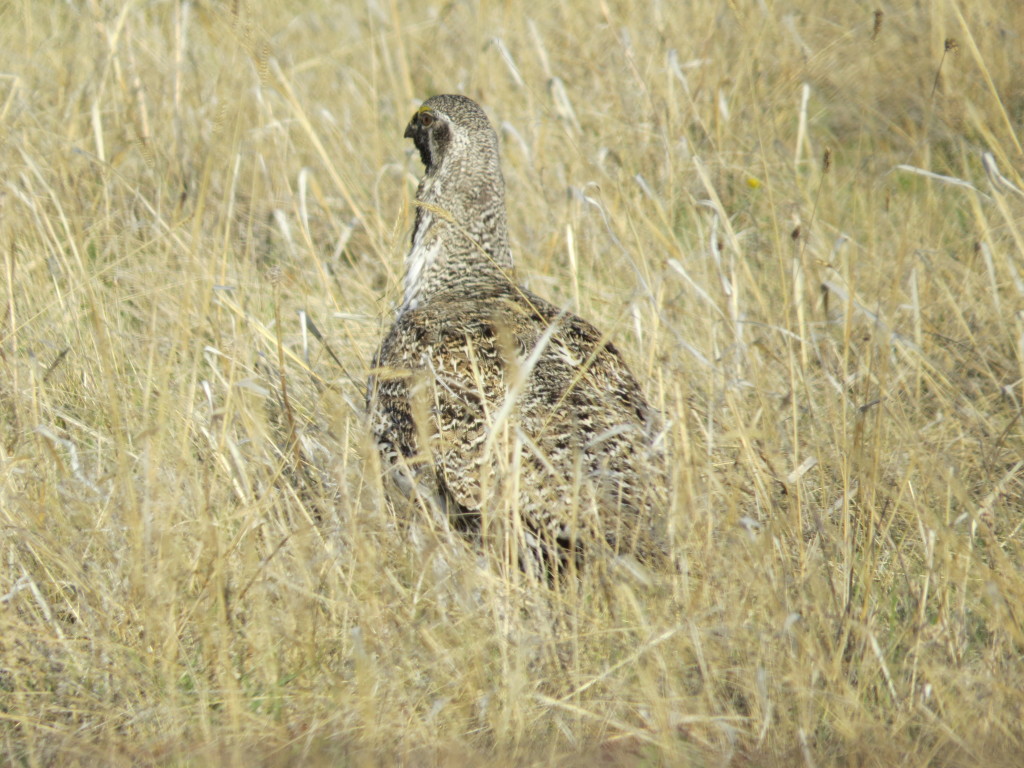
[[196, 566]]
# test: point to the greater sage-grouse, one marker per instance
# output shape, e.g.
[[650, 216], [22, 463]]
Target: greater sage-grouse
[[511, 419]]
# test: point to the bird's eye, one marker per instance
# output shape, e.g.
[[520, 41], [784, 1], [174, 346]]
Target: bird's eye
[[426, 119]]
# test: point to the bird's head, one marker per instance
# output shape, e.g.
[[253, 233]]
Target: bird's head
[[446, 125]]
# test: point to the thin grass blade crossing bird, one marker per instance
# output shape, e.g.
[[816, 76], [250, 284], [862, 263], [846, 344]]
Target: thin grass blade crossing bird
[[509, 419]]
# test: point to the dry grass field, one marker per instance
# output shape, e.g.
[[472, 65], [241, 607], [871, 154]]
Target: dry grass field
[[803, 224]]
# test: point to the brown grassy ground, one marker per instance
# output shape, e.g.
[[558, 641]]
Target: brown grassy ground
[[195, 563]]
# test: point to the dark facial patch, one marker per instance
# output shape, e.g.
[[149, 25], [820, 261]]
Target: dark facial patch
[[430, 134]]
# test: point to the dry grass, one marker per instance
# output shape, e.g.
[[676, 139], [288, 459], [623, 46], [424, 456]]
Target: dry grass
[[195, 563]]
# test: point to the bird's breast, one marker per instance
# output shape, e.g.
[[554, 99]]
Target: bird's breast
[[424, 252]]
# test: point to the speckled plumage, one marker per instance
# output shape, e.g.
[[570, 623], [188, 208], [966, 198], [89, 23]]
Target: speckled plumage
[[489, 404]]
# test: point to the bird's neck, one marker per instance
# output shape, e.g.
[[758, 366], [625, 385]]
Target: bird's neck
[[459, 243]]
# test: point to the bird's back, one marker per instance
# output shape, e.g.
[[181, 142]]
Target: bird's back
[[501, 403]]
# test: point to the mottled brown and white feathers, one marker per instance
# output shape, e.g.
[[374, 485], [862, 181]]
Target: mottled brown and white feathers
[[460, 238], [489, 404]]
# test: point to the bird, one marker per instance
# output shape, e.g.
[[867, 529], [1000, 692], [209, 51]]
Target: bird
[[509, 419]]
